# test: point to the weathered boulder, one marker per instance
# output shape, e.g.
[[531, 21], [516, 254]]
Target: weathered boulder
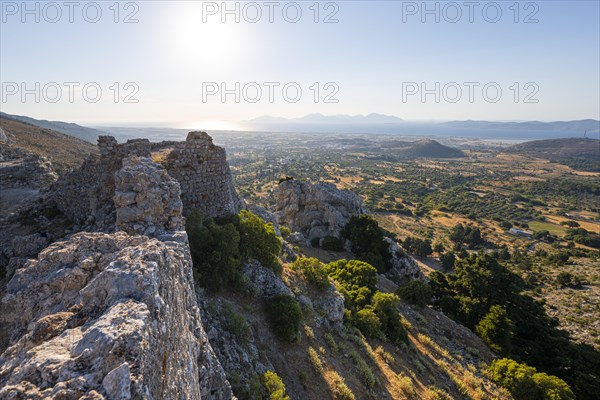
[[147, 198], [315, 210], [404, 267], [263, 282], [107, 316], [330, 308]]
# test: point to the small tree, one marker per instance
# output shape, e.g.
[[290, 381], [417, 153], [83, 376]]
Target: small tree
[[312, 270], [496, 329], [447, 260], [357, 279], [215, 251], [368, 322], [416, 292], [385, 307], [285, 314], [259, 241], [368, 242]]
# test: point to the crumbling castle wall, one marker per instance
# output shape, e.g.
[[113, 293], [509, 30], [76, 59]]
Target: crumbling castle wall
[[202, 170], [86, 195]]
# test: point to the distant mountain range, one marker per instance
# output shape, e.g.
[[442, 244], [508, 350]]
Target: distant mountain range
[[388, 124], [81, 132], [317, 118]]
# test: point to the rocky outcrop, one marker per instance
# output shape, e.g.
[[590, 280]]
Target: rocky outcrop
[[404, 267], [112, 316], [315, 210], [22, 169], [105, 316], [263, 282], [147, 198]]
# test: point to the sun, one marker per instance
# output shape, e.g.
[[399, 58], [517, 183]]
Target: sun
[[203, 43]]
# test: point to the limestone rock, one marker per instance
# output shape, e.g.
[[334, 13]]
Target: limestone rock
[[147, 198], [263, 282], [107, 316], [315, 210], [331, 306], [404, 267]]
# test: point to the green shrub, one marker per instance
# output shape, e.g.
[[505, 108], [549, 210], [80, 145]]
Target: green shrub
[[236, 324], [416, 292], [496, 329], [447, 259], [367, 241], [331, 243], [259, 241], [285, 231], [340, 390], [368, 322], [525, 383], [285, 315], [275, 386], [366, 375], [356, 279], [312, 270], [419, 247], [385, 307], [215, 251], [315, 360]]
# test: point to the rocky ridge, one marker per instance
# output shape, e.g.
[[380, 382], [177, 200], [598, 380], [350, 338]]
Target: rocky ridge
[[112, 315]]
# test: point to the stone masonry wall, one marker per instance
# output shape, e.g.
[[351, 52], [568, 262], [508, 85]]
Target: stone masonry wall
[[202, 170], [86, 195]]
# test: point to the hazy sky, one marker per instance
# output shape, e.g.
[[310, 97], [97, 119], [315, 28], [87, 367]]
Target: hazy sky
[[378, 57]]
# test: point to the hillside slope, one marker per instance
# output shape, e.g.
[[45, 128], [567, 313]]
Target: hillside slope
[[64, 151], [81, 132], [578, 153]]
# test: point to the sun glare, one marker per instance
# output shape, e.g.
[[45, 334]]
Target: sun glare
[[210, 43], [212, 125]]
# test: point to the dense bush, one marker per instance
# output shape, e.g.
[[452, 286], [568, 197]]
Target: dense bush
[[259, 241], [367, 241], [368, 322], [285, 231], [385, 307], [285, 315], [312, 270], [496, 329], [468, 235], [215, 251], [525, 383], [416, 292], [419, 247], [331, 243], [356, 279], [447, 259], [275, 386]]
